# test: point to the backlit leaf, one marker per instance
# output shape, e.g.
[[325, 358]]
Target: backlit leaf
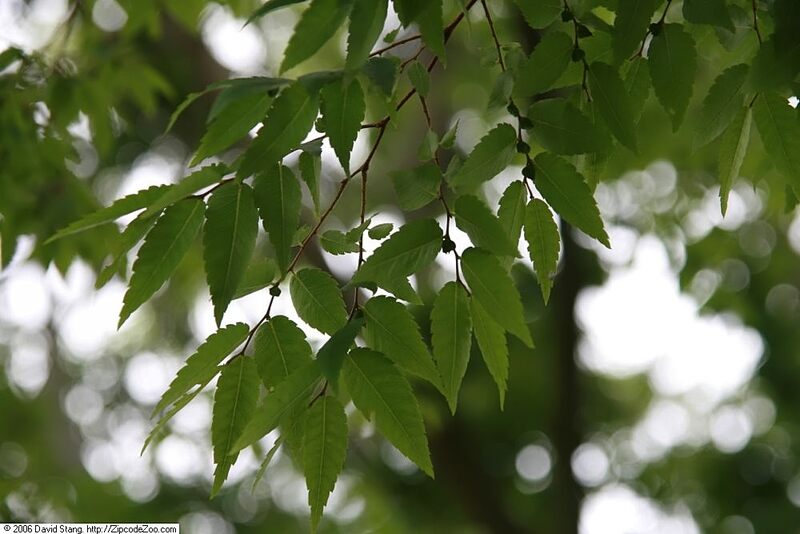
[[491, 155], [451, 336], [491, 340], [482, 227], [417, 187], [780, 132], [613, 103], [278, 197], [561, 128], [673, 65], [545, 65], [732, 150], [722, 103], [318, 300], [366, 24], [317, 24], [542, 236], [343, 110], [279, 348]]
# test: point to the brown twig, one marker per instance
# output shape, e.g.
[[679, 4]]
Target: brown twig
[[494, 34], [755, 21], [395, 44]]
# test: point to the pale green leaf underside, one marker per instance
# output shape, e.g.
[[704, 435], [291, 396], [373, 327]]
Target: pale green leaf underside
[[491, 340], [451, 336], [542, 236]]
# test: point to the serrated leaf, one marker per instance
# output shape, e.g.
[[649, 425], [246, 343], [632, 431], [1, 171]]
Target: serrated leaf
[[560, 127], [613, 103], [493, 288], [262, 469], [332, 354], [539, 13], [779, 129], [317, 24], [235, 123], [419, 77], [431, 26], [201, 366], [382, 73], [234, 404], [428, 146], [545, 64], [449, 138], [279, 348], [366, 24], [336, 242], [565, 189], [637, 85], [289, 119], [542, 236], [512, 210], [162, 250], [483, 228], [417, 187], [379, 391], [132, 234], [343, 109], [286, 397], [318, 300], [380, 231], [176, 407], [492, 155], [310, 167], [259, 274], [269, 6], [630, 26], [713, 12], [392, 330], [491, 340], [200, 179], [356, 233], [229, 236], [278, 197], [324, 451], [451, 337], [412, 247], [673, 65], [722, 103], [732, 150], [117, 209], [300, 235]]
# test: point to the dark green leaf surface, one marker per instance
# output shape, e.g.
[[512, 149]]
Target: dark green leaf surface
[[542, 236], [732, 150], [278, 197], [630, 26], [343, 110], [417, 187], [366, 23], [491, 340], [200, 179], [380, 231], [713, 12], [229, 237], [317, 24], [484, 229], [545, 65], [318, 300], [279, 348], [451, 337], [491, 156], [512, 210], [722, 103], [613, 103], [258, 275], [379, 391], [539, 13], [561, 128], [673, 65], [336, 242], [310, 168], [332, 354], [162, 250], [779, 129]]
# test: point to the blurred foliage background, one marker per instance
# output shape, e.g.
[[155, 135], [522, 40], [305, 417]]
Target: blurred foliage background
[[660, 397]]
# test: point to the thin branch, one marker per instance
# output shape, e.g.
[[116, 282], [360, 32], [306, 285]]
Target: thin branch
[[395, 44], [755, 21], [494, 34]]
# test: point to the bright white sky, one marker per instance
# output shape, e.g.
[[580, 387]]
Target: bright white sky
[[637, 322]]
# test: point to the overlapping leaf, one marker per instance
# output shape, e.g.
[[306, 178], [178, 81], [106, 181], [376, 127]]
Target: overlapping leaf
[[491, 155], [732, 150], [317, 24], [491, 340], [278, 197], [343, 110], [482, 227], [673, 64], [451, 336], [279, 348]]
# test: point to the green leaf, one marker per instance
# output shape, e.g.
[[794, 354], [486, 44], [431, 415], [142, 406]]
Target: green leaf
[[417, 187], [482, 227], [630, 26], [539, 13], [780, 133], [637, 86], [332, 354], [117, 209], [449, 138], [279, 348], [428, 146], [317, 24], [451, 337], [722, 103], [178, 405], [343, 110], [356, 233], [380, 231], [234, 404], [300, 235], [161, 252], [545, 65], [284, 399], [318, 300], [492, 287], [378, 389], [491, 156], [229, 237], [200, 179], [392, 330], [310, 167], [512, 210], [235, 123], [732, 150], [564, 188], [401, 288], [382, 73], [336, 242], [269, 6], [560, 127], [259, 274], [491, 340], [613, 103], [201, 366], [673, 65], [542, 236], [366, 24], [713, 12], [324, 452], [278, 197], [410, 248], [289, 119], [431, 26], [262, 469], [419, 77], [133, 233]]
